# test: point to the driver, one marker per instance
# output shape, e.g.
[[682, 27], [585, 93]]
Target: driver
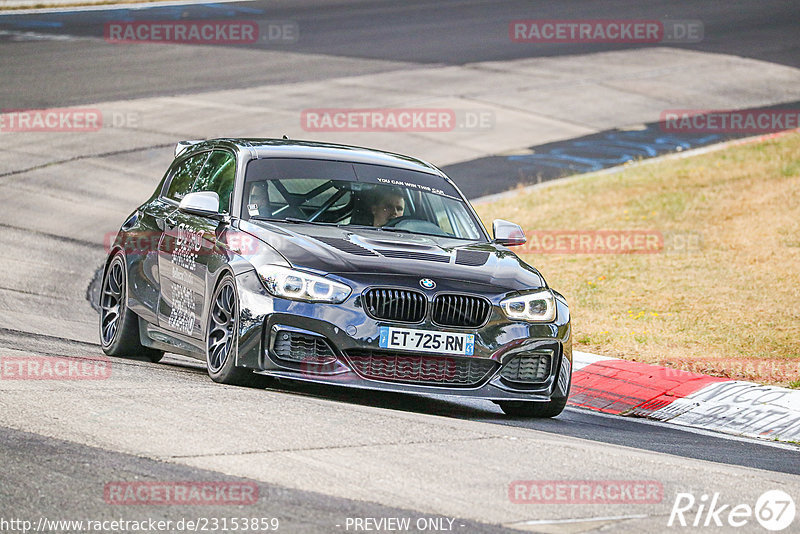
[[389, 204]]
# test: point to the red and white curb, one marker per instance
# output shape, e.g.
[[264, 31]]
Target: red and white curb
[[636, 389]]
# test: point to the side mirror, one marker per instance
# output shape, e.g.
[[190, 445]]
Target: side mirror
[[203, 203], [507, 233]]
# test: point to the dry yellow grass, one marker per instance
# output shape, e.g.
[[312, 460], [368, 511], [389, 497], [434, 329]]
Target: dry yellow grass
[[730, 307]]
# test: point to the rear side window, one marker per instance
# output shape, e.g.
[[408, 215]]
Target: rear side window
[[218, 175], [183, 176]]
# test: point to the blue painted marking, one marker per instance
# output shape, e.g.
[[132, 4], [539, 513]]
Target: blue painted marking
[[37, 24], [235, 9], [470, 348], [384, 340], [611, 149]]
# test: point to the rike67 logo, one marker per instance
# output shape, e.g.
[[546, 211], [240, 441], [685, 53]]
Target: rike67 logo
[[774, 510]]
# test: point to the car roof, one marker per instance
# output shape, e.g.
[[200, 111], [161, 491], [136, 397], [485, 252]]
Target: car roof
[[292, 148]]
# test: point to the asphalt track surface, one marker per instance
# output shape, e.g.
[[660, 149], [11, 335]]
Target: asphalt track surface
[[59, 479], [59, 446], [382, 35], [75, 477]]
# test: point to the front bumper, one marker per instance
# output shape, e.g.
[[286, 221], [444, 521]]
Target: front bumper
[[351, 333]]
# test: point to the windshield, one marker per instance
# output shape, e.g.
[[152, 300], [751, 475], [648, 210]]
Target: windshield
[[355, 195]]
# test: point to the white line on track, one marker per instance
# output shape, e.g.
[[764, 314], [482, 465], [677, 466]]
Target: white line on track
[[579, 520], [36, 36]]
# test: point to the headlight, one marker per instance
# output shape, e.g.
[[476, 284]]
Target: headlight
[[297, 285], [539, 307]]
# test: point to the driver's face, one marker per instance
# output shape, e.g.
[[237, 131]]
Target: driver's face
[[390, 208]]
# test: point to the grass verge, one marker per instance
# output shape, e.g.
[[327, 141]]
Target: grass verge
[[721, 297]]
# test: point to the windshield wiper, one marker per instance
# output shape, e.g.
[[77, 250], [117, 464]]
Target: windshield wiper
[[293, 220], [383, 229]]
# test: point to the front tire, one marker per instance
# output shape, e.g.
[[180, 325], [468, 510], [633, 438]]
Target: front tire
[[119, 326], [221, 336]]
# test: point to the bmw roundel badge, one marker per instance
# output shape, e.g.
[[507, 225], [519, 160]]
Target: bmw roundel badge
[[427, 283]]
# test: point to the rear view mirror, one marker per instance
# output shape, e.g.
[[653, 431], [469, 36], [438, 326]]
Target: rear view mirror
[[507, 233]]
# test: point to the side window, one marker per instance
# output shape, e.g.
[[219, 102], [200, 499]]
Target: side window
[[183, 176], [218, 175]]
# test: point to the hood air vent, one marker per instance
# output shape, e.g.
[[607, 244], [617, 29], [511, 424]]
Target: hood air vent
[[346, 246], [472, 258], [411, 255]]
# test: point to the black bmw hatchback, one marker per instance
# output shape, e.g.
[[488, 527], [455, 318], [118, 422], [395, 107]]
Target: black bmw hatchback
[[336, 265]]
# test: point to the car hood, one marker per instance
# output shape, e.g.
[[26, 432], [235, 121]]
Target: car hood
[[343, 251]]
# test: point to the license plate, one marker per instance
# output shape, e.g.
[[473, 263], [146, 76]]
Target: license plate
[[427, 341]]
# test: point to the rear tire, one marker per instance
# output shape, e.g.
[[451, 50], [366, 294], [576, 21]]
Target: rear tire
[[533, 409], [221, 336], [119, 326]]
